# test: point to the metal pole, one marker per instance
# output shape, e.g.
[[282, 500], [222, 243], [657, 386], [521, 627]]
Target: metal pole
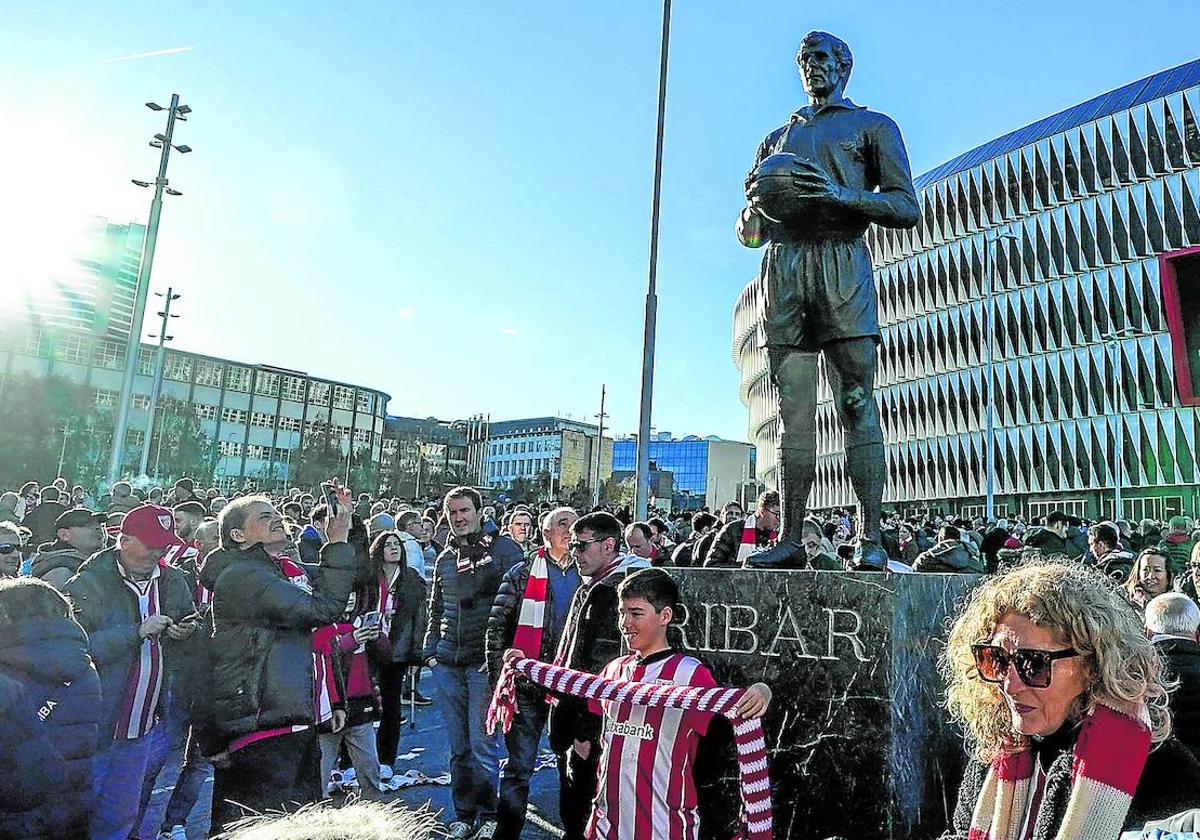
[[62, 455], [599, 448], [648, 338], [1119, 466], [156, 385], [139, 304], [989, 364]]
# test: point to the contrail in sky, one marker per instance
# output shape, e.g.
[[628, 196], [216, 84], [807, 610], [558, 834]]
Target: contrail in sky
[[150, 54]]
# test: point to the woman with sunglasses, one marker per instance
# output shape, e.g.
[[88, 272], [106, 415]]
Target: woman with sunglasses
[[1062, 699], [1150, 576]]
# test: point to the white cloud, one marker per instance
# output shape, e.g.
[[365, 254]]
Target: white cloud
[[405, 313], [509, 330]]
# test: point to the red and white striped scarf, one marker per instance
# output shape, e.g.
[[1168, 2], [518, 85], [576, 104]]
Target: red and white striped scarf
[[532, 618], [748, 734], [140, 705], [387, 600], [465, 560], [749, 543], [1110, 753]]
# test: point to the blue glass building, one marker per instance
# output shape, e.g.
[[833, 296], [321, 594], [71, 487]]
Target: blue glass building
[[707, 471]]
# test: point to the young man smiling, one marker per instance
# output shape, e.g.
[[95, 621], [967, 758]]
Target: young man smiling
[[648, 753]]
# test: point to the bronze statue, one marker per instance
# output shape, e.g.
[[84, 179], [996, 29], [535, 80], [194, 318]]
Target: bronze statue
[[816, 184]]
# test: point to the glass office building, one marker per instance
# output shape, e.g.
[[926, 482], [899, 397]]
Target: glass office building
[[1071, 222], [706, 471]]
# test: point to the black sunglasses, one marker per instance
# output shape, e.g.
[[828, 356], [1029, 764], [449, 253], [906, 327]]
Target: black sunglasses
[[9, 549], [1034, 667], [580, 545]]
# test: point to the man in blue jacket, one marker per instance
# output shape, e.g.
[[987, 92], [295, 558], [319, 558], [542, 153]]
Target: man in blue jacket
[[465, 581], [133, 609]]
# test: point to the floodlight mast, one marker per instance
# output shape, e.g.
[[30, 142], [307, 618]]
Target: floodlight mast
[[176, 111]]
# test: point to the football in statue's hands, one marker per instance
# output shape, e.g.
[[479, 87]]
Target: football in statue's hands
[[777, 198]]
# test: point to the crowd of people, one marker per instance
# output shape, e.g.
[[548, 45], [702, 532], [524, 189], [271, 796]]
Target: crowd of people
[[275, 642]]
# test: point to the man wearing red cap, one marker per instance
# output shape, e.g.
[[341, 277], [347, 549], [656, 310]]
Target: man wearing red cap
[[133, 608]]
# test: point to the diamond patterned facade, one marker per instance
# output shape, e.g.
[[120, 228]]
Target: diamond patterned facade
[[1068, 217]]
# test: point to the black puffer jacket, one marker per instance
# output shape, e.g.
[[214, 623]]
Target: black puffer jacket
[[460, 602], [947, 556], [592, 624], [259, 658], [49, 659], [725, 546], [1183, 663], [1168, 786], [108, 610], [407, 632], [502, 623]]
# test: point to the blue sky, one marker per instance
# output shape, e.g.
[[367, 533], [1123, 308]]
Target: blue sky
[[450, 202]]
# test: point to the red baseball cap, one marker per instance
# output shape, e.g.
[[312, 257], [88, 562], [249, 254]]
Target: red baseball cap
[[154, 526]]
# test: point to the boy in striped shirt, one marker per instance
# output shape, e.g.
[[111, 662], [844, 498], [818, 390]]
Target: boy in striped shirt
[[646, 789]]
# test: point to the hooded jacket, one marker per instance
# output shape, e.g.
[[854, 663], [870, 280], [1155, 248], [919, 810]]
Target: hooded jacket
[[948, 556], [107, 609], [259, 656], [49, 659], [56, 555]]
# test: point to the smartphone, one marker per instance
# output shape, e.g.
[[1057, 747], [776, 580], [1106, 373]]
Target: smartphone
[[330, 498], [370, 619]]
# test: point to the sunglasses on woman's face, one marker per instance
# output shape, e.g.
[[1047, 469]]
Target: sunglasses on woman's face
[[1034, 667]]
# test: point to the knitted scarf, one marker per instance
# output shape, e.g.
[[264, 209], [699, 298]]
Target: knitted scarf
[[749, 543], [1110, 753], [530, 621], [748, 734]]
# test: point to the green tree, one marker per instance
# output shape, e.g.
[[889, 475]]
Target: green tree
[[543, 482], [520, 489], [180, 447], [319, 458], [581, 495], [364, 472], [617, 493], [35, 414]]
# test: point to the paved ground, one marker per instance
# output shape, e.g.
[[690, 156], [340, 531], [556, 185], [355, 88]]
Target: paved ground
[[426, 746]]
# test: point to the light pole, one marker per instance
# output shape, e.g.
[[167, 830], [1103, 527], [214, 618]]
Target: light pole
[[989, 366], [164, 142], [599, 447], [156, 385], [651, 319], [62, 454], [1113, 339]]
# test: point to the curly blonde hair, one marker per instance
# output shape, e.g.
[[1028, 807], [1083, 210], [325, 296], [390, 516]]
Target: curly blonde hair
[[1090, 615]]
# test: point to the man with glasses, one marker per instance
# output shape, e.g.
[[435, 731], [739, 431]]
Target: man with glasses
[[11, 540], [590, 640], [133, 609]]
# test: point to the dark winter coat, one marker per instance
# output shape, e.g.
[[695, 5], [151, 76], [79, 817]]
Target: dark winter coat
[[1183, 663], [407, 631], [40, 521], [49, 659], [260, 654], [108, 610], [948, 556], [724, 549], [1050, 543], [33, 770], [460, 603], [1168, 786], [56, 555], [502, 623], [592, 623]]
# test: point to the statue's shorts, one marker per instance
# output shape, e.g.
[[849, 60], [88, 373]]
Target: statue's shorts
[[818, 291]]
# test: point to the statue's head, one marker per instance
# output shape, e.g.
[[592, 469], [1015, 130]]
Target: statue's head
[[825, 63]]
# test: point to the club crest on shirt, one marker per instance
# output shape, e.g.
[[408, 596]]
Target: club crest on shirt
[[643, 731]]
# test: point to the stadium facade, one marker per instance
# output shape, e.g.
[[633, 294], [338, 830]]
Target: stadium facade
[[1075, 221]]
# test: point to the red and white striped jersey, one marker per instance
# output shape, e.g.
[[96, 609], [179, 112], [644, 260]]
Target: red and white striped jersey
[[139, 708], [646, 790]]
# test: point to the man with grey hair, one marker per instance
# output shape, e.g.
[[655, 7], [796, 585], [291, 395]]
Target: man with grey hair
[[1173, 622]]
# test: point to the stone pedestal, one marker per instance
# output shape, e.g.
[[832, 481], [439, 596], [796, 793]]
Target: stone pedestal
[[859, 744]]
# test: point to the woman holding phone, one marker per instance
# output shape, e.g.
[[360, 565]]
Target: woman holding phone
[[401, 606]]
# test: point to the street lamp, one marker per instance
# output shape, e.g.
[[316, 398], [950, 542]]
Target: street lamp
[[156, 384], [163, 141], [989, 366]]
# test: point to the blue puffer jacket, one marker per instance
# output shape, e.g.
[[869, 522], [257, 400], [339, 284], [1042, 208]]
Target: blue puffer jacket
[[49, 659], [460, 602]]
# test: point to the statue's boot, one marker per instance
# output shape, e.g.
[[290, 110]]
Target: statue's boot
[[788, 554], [797, 468], [869, 556]]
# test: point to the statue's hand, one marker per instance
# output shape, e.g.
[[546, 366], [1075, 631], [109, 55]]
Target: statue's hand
[[812, 181]]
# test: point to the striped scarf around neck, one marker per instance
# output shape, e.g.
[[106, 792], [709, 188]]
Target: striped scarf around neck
[[749, 541], [1109, 755], [532, 617], [754, 780]]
